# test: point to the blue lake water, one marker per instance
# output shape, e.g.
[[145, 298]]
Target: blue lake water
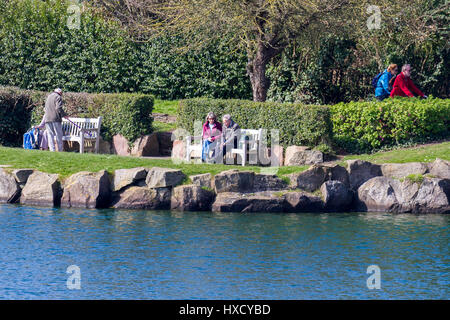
[[171, 255]]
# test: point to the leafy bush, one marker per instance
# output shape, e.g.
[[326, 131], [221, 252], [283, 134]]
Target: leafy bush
[[365, 126], [297, 124], [15, 113]]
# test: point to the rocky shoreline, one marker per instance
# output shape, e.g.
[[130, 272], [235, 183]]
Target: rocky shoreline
[[362, 186]]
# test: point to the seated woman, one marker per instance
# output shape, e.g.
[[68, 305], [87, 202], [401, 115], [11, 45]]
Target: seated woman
[[211, 131]]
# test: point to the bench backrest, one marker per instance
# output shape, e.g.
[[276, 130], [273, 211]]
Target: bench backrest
[[254, 138], [73, 127]]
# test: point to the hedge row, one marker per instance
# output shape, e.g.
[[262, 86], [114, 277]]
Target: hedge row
[[355, 127], [366, 126], [125, 113], [297, 124]]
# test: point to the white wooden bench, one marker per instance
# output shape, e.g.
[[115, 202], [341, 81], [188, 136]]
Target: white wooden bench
[[81, 130], [248, 145], [193, 144]]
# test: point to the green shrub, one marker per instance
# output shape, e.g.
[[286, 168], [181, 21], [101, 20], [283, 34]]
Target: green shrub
[[366, 126], [298, 124], [15, 113]]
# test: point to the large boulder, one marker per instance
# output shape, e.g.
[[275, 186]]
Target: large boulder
[[143, 198], [244, 202], [338, 173], [300, 155], [440, 169], [126, 177], [234, 181], [9, 188], [42, 189], [87, 190], [433, 196], [360, 171], [378, 194], [178, 150], [21, 176], [309, 180], [336, 196], [191, 198], [401, 170], [267, 182], [391, 195], [120, 145], [302, 202], [202, 180], [147, 145], [164, 177]]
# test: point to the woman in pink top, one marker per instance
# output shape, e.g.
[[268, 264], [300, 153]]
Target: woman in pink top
[[211, 131]]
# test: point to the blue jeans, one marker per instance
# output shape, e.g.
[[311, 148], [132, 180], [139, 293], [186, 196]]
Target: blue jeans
[[205, 149]]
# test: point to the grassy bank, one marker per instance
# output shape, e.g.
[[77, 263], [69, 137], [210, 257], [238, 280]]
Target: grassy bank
[[68, 163], [421, 153]]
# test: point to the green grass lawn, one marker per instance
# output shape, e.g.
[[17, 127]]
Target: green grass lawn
[[68, 163], [159, 126], [424, 153], [166, 106]]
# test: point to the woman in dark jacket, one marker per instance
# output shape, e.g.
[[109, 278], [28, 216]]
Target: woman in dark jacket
[[212, 129]]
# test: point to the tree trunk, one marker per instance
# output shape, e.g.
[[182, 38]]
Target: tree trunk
[[256, 69]]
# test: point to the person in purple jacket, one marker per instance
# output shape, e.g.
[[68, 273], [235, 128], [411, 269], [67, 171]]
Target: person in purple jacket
[[212, 129]]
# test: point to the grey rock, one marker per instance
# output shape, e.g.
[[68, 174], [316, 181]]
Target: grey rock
[[163, 177], [336, 195], [234, 181], [126, 177], [338, 173], [202, 180], [42, 189], [440, 168], [401, 170], [378, 194], [300, 155], [87, 190], [433, 196], [21, 176], [147, 145], [191, 198], [268, 182], [360, 171], [9, 189], [391, 195], [302, 202], [143, 198], [248, 202], [310, 179]]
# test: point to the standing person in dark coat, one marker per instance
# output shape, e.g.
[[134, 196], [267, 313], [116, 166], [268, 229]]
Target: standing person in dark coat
[[52, 119]]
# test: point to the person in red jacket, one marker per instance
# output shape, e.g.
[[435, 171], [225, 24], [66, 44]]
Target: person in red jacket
[[403, 85], [212, 129]]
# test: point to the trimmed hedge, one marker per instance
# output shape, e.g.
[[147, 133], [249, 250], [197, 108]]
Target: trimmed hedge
[[127, 114], [298, 124], [366, 126]]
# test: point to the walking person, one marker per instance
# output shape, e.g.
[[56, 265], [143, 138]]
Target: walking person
[[382, 90], [403, 85], [52, 119]]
